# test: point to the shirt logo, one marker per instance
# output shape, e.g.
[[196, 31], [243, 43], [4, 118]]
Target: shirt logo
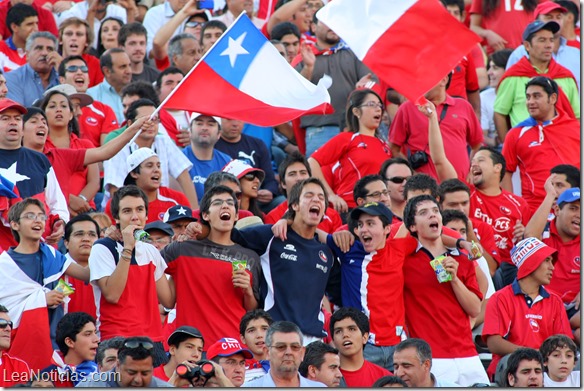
[[534, 325], [323, 268], [290, 257], [502, 224], [534, 144], [289, 247], [91, 121], [322, 256], [577, 262], [505, 210], [351, 261]]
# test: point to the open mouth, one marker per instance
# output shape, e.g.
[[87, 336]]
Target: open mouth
[[155, 178], [314, 211], [41, 133], [225, 216], [434, 226], [347, 344], [366, 239], [37, 228]]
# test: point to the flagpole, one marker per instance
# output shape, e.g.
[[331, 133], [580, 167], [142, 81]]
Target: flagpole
[[187, 75]]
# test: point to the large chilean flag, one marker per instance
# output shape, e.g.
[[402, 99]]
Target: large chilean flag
[[410, 44], [244, 77]]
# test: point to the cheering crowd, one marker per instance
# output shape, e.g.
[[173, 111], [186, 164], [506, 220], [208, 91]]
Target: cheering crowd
[[433, 243]]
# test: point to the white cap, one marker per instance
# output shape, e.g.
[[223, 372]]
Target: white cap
[[194, 116], [239, 168], [72, 93], [137, 157]]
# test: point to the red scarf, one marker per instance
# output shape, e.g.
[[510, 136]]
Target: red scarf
[[523, 68], [563, 133]]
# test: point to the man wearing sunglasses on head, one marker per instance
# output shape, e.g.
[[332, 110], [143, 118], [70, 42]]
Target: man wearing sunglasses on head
[[135, 367], [10, 365]]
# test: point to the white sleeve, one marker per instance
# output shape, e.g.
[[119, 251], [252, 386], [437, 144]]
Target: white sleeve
[[154, 256], [113, 171], [482, 262], [151, 26], [101, 263], [54, 197], [177, 162]]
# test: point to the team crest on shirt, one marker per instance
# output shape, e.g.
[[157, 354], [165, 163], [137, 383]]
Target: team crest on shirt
[[322, 256], [161, 216], [577, 262], [534, 325], [505, 210], [91, 121]]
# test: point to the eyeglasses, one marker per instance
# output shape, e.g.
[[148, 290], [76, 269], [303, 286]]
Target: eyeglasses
[[136, 344], [251, 176], [75, 68], [5, 323], [378, 194], [238, 194], [193, 24], [34, 217], [397, 179], [281, 347], [229, 202], [372, 104]]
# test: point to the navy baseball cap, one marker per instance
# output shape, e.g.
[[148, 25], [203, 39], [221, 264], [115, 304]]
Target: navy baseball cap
[[569, 195], [188, 330], [159, 225], [178, 212], [537, 25], [373, 209]]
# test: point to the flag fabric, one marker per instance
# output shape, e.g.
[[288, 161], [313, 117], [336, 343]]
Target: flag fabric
[[27, 306], [244, 77], [410, 44]]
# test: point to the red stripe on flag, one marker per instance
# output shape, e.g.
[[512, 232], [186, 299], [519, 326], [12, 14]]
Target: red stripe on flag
[[31, 341], [419, 49], [225, 100]]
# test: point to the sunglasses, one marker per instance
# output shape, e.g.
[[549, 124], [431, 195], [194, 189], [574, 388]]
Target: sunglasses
[[251, 176], [136, 344], [281, 347], [397, 179], [5, 323], [75, 68], [238, 194], [193, 24]]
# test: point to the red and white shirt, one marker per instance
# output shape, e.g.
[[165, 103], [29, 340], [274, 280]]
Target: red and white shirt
[[97, 119], [566, 278]]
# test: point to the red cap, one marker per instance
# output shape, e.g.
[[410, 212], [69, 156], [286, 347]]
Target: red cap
[[546, 7], [226, 347], [528, 254], [6, 104]]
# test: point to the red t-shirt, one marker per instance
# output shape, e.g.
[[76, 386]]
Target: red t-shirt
[[13, 370], [500, 212], [566, 278], [46, 19], [509, 316], [464, 78], [329, 224], [357, 155], [508, 20], [82, 300], [365, 376], [65, 162], [95, 74], [159, 373], [486, 236], [167, 198], [97, 119], [433, 312], [12, 59], [460, 127]]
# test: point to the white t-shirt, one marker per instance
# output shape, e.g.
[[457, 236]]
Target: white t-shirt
[[572, 381]]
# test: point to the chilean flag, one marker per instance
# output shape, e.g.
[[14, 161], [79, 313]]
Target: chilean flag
[[244, 77], [410, 44]]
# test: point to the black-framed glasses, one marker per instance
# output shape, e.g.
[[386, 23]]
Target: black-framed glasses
[[5, 323], [75, 68], [397, 179], [378, 194], [134, 344]]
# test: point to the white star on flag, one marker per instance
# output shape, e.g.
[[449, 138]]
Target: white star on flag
[[182, 211], [12, 175], [234, 48]]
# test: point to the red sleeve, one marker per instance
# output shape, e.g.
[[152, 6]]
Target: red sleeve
[[472, 80], [332, 151], [76, 157], [264, 30], [110, 121], [162, 64], [477, 56], [509, 152], [476, 7], [3, 12], [487, 240], [108, 209], [399, 128], [497, 319], [47, 21], [336, 219], [270, 218]]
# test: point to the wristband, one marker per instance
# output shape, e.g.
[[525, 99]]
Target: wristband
[[83, 197], [126, 250], [126, 257]]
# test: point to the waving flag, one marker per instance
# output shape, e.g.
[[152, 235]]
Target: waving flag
[[244, 77], [410, 44]]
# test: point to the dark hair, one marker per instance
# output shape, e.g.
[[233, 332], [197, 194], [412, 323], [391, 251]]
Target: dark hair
[[388, 380], [127, 191], [451, 186], [291, 158], [490, 6], [69, 326], [572, 173], [500, 58], [142, 89], [349, 312], [284, 28], [355, 100], [314, 355], [218, 177], [412, 208], [100, 49], [17, 209], [421, 182], [77, 219], [458, 3], [167, 71], [75, 21], [212, 24], [359, 190], [548, 85], [134, 28], [175, 47], [253, 315], [206, 200], [497, 158], [63, 65], [296, 191], [571, 7], [3, 309], [132, 112], [179, 338], [423, 349], [112, 343], [73, 125], [558, 341], [18, 14], [515, 359], [106, 61], [282, 326], [394, 160], [139, 353], [449, 215]]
